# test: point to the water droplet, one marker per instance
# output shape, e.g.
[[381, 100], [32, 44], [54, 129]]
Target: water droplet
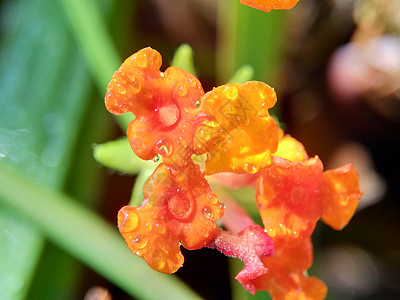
[[180, 207], [121, 89], [197, 103], [213, 199], [169, 115], [128, 221], [182, 92], [135, 86], [160, 227], [231, 92], [139, 243], [205, 233], [148, 226], [208, 213], [156, 158], [159, 260]]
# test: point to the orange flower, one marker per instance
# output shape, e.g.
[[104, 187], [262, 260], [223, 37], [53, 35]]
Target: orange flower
[[286, 277], [267, 5], [166, 105], [242, 135], [178, 206], [232, 126], [292, 197]]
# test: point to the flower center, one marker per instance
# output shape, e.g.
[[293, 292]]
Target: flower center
[[169, 115], [181, 207]]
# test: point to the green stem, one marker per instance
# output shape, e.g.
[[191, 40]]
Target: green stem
[[137, 193], [89, 238]]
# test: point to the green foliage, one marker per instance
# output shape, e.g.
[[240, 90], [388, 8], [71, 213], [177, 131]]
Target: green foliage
[[88, 238], [118, 155], [44, 94], [183, 58]]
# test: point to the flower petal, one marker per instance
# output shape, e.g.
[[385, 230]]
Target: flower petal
[[166, 105], [267, 5], [289, 148], [242, 135], [341, 195], [286, 277], [287, 197], [178, 206]]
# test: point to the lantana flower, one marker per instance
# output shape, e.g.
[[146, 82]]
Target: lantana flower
[[166, 106], [292, 197], [267, 5], [178, 207], [232, 126]]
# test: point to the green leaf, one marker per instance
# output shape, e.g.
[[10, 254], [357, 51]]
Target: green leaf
[[101, 56], [118, 155], [88, 238], [242, 75], [137, 193], [44, 88], [248, 36], [183, 58]]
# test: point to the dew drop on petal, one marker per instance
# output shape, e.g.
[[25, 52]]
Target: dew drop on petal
[[128, 221], [208, 213], [159, 260], [160, 227], [139, 243], [231, 92]]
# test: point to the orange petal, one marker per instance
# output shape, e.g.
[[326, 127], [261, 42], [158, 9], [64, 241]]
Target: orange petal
[[267, 5], [341, 194], [146, 232], [291, 149], [178, 206], [286, 268], [130, 88], [288, 198], [166, 105], [242, 135]]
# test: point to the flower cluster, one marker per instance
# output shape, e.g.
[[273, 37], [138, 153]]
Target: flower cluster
[[232, 128]]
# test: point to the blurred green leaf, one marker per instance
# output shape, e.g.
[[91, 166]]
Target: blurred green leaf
[[242, 75], [137, 193], [183, 58], [248, 36], [89, 238], [44, 88], [118, 155], [90, 32]]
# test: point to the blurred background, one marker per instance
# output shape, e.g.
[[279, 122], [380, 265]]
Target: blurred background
[[335, 65]]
